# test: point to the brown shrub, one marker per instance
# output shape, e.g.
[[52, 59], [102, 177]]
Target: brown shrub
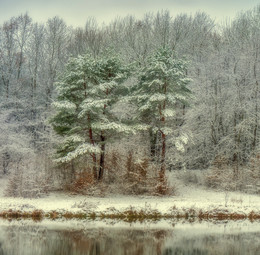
[[162, 186], [126, 172], [137, 180], [82, 182], [231, 177]]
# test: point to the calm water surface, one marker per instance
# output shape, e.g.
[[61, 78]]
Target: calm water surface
[[96, 238]]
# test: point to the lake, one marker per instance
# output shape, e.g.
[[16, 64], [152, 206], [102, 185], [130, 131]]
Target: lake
[[75, 237]]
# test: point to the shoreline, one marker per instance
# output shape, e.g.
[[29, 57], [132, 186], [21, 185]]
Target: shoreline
[[190, 202], [133, 215]]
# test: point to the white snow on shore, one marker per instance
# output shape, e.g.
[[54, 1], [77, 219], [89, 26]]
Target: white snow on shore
[[187, 197]]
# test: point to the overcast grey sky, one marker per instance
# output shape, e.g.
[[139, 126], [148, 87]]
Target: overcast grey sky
[[75, 12]]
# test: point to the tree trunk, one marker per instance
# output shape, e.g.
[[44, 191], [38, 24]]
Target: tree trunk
[[163, 153], [103, 145], [256, 107], [72, 172], [94, 168], [153, 141], [6, 83], [93, 155], [6, 161], [102, 158], [162, 118], [90, 134]]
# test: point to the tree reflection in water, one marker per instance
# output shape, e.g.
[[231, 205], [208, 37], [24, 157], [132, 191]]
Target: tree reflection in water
[[37, 239]]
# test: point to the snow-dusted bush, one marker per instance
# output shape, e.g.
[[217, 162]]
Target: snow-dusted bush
[[128, 173], [29, 178], [226, 177], [191, 176]]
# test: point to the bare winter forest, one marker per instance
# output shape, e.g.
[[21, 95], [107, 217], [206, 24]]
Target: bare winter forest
[[114, 108]]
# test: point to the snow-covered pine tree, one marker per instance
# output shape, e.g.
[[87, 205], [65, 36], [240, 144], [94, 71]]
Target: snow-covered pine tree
[[163, 84], [87, 91], [102, 97]]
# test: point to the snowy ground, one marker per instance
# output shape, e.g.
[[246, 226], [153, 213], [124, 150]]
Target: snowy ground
[[187, 197]]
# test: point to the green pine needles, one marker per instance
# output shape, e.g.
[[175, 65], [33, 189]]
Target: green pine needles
[[88, 90], [163, 84]]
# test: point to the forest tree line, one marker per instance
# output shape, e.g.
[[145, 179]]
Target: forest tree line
[[219, 121]]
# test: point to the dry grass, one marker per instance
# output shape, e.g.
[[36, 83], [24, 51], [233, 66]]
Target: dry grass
[[83, 181], [221, 215], [36, 215], [230, 177], [131, 214], [126, 173], [135, 174]]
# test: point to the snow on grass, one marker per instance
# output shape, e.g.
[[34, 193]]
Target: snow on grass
[[189, 199], [181, 228]]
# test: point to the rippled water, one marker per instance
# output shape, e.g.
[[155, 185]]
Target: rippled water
[[166, 238]]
